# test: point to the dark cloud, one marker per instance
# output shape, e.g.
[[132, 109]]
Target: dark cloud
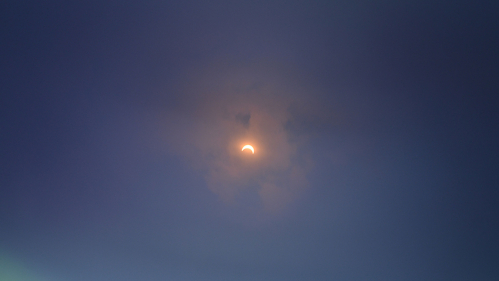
[[244, 119]]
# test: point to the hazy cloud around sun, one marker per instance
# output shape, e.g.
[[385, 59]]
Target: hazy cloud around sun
[[221, 109]]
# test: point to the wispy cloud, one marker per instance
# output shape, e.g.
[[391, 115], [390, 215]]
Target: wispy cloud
[[222, 109]]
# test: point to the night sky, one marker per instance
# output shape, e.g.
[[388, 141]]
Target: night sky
[[375, 126]]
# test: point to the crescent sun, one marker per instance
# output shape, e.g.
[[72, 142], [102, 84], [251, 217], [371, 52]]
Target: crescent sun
[[248, 147]]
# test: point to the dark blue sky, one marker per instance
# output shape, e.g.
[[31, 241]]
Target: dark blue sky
[[375, 126]]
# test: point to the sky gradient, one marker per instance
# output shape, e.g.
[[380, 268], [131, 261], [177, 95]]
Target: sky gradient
[[375, 126]]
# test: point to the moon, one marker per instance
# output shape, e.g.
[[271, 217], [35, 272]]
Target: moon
[[248, 147]]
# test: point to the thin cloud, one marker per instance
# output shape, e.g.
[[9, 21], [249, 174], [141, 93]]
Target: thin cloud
[[223, 109]]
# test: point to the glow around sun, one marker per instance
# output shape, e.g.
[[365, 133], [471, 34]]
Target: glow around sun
[[248, 147]]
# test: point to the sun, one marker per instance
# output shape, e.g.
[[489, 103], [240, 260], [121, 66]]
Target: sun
[[248, 147]]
